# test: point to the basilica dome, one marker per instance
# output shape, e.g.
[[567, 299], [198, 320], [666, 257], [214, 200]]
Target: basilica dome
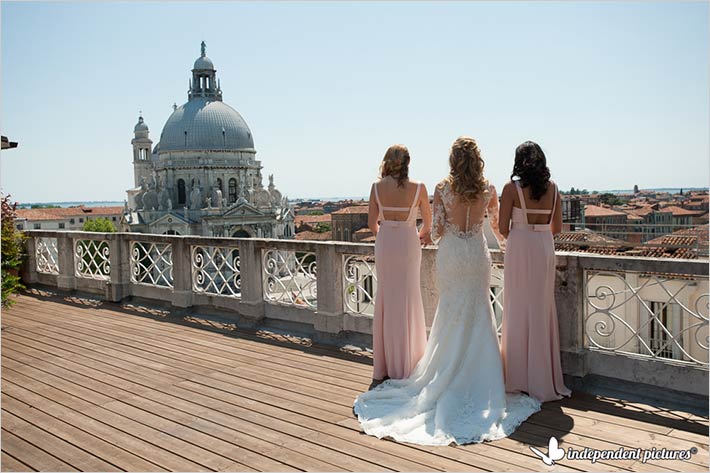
[[205, 124]]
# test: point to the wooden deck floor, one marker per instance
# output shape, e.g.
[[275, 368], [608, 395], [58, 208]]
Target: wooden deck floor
[[102, 387]]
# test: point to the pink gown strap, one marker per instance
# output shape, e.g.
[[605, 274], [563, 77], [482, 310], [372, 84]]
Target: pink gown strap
[[522, 200], [414, 204]]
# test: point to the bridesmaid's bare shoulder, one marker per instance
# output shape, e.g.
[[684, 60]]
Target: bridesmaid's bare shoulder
[[508, 188]]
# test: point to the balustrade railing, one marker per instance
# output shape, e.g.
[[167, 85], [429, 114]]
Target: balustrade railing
[[92, 259], [290, 277], [47, 256], [656, 315], [216, 270], [612, 311], [359, 284], [151, 264]]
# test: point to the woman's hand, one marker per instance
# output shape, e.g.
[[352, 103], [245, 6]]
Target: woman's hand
[[425, 237]]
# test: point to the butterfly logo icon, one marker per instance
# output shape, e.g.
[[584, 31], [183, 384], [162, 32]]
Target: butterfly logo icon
[[554, 452]]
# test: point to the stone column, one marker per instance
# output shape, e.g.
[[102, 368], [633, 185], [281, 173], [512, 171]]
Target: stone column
[[65, 253], [28, 270], [182, 273], [570, 301], [250, 270], [118, 285], [329, 286]]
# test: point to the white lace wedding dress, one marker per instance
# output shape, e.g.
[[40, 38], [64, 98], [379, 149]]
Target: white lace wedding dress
[[456, 393]]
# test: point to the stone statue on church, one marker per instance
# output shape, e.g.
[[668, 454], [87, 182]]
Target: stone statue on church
[[150, 197], [139, 195], [163, 194], [195, 197], [217, 197]]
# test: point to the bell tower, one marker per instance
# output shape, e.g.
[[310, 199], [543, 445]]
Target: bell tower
[[142, 150]]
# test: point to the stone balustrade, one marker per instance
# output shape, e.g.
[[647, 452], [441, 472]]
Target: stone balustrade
[[635, 320]]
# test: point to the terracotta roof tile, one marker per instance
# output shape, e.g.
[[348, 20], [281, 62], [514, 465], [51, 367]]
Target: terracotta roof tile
[[325, 236], [68, 212], [596, 211], [355, 209]]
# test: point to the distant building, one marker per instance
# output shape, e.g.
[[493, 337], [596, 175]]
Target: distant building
[[606, 221], [71, 218], [349, 220], [571, 211], [311, 222], [655, 221], [202, 177]]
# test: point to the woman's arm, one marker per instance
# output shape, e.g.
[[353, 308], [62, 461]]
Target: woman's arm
[[425, 208], [557, 216], [493, 208], [439, 216], [373, 213], [506, 209]]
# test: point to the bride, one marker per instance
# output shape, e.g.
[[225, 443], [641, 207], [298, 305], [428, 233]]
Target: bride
[[456, 393]]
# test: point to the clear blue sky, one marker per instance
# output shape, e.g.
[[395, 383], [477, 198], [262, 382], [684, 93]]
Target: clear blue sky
[[617, 94]]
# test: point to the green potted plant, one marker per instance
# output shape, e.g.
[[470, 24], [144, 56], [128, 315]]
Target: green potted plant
[[13, 252]]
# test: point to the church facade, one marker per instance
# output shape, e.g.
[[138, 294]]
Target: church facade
[[202, 177]]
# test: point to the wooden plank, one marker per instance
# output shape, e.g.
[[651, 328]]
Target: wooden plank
[[339, 418], [335, 393], [32, 455], [95, 445], [339, 393], [232, 343], [162, 435], [314, 463], [147, 450], [604, 408], [10, 463], [110, 312], [229, 450], [54, 445], [222, 360]]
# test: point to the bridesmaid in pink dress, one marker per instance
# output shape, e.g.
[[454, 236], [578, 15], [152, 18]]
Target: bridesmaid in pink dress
[[529, 217], [399, 327]]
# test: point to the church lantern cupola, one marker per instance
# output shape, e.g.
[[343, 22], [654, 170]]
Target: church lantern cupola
[[204, 78]]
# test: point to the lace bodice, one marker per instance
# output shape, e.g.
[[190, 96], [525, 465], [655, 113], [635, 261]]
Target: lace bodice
[[447, 205]]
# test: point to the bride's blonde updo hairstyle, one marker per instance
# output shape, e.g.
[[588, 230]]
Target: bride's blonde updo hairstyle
[[466, 174], [396, 164]]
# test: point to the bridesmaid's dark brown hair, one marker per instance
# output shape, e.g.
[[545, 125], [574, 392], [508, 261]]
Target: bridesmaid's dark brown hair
[[531, 168]]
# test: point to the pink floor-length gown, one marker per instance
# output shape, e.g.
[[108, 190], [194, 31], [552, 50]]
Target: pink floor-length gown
[[530, 345], [399, 327]]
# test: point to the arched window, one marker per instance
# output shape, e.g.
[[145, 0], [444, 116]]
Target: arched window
[[182, 197], [232, 190]]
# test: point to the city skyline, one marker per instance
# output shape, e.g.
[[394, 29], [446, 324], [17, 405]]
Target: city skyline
[[612, 92]]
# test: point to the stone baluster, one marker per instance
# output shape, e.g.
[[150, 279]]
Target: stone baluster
[[250, 268]]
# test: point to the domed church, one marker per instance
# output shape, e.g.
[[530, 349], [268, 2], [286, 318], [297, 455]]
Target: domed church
[[202, 178]]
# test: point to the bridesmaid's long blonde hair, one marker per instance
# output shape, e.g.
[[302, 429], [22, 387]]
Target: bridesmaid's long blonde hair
[[396, 164], [466, 175]]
